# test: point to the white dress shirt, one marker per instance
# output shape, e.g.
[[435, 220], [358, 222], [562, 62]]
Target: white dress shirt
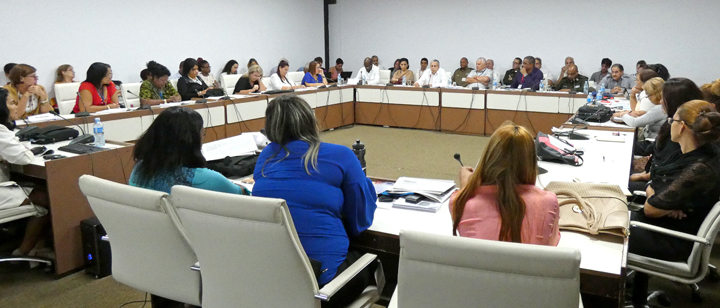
[[644, 103], [276, 83], [373, 77], [439, 79], [14, 152], [176, 76], [484, 73], [420, 72], [209, 79]]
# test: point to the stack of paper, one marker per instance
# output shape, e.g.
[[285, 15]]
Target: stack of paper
[[240, 145], [436, 191], [44, 117], [168, 105]]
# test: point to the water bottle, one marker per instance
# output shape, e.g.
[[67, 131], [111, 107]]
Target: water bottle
[[586, 88], [99, 133], [495, 83], [404, 81], [589, 98], [542, 85], [359, 150], [600, 93], [449, 83], [364, 79]]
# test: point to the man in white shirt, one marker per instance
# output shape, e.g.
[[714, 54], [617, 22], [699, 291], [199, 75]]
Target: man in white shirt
[[376, 62], [546, 73], [495, 76], [370, 71], [178, 74], [423, 68], [481, 76], [436, 77]]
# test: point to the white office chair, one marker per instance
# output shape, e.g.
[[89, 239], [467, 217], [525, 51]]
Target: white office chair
[[449, 75], [296, 77], [65, 95], [265, 81], [17, 213], [689, 272], [132, 100], [174, 83], [445, 271], [268, 267], [229, 82], [149, 253], [384, 77]]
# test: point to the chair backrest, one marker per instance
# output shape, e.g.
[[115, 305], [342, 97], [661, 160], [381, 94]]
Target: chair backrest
[[65, 95], [131, 99], [700, 255], [149, 253], [252, 256], [444, 271], [448, 75], [174, 83], [266, 81], [384, 76], [229, 82], [296, 77]]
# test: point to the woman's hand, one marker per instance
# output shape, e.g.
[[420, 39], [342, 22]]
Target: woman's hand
[[639, 177], [464, 175], [677, 214]]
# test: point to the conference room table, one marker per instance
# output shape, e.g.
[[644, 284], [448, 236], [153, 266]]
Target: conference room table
[[604, 258]]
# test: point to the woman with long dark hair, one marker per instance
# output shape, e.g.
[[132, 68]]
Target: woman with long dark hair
[[329, 196], [169, 153], [279, 79], [97, 92], [500, 201]]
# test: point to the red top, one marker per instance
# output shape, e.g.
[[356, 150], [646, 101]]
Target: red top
[[481, 218], [97, 99]]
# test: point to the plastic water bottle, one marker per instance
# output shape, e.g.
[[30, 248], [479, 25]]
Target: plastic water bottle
[[404, 81], [495, 83], [586, 88], [542, 85], [99, 133], [450, 83], [589, 98], [364, 78], [600, 93], [359, 150]]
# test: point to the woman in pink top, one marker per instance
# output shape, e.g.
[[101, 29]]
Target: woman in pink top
[[500, 200]]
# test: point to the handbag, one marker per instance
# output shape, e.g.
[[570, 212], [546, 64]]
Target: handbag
[[591, 208], [550, 148], [598, 113]]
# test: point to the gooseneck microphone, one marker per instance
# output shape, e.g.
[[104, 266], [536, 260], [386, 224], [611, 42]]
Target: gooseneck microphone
[[81, 113], [457, 157], [142, 107]]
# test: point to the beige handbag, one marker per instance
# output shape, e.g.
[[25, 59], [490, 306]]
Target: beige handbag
[[591, 208]]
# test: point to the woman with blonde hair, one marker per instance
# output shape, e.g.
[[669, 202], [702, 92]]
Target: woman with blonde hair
[[250, 82], [500, 201], [653, 119]]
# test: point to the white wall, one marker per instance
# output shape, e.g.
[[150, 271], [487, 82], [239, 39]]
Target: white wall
[[683, 35], [127, 34]]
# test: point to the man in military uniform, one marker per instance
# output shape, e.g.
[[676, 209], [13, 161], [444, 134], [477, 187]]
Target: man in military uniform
[[617, 82], [573, 81], [461, 73], [510, 74]]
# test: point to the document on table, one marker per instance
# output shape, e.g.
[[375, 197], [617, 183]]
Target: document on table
[[435, 190], [173, 104], [110, 111], [44, 117], [243, 144], [232, 96]]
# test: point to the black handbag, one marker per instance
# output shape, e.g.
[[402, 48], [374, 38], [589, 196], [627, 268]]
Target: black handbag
[[598, 113], [52, 134], [236, 166], [547, 149]]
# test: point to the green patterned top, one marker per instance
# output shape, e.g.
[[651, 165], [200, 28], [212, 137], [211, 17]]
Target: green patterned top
[[149, 91]]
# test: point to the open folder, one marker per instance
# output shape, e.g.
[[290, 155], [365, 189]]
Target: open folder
[[437, 193]]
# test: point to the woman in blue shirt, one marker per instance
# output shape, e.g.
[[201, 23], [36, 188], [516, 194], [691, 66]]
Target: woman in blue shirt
[[329, 196], [169, 153], [314, 78]]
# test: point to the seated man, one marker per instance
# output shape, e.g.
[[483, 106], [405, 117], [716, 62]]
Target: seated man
[[529, 77], [436, 77], [573, 82], [370, 71], [461, 73], [605, 65], [481, 76], [511, 73], [491, 66], [546, 73], [563, 71], [617, 82], [423, 67], [376, 62]]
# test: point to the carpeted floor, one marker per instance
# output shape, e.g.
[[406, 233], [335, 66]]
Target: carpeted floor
[[390, 153]]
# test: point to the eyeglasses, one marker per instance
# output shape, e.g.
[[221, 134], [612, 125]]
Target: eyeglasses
[[671, 120], [32, 76]]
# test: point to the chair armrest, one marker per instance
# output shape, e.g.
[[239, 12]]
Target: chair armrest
[[195, 267], [684, 236], [105, 238], [336, 284], [8, 184], [639, 193]]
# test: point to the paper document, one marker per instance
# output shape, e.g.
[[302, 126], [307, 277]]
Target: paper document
[[243, 144], [435, 190], [44, 117], [173, 104], [109, 111], [423, 206]]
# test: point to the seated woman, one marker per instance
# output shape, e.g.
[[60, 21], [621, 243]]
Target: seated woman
[[500, 200], [337, 70], [64, 74], [189, 85], [639, 101], [250, 82], [250, 63], [231, 68], [169, 154], [13, 152], [279, 80], [654, 118], [682, 192], [205, 75], [711, 93], [97, 92], [24, 92], [295, 167], [156, 89], [404, 71], [396, 67], [314, 77]]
